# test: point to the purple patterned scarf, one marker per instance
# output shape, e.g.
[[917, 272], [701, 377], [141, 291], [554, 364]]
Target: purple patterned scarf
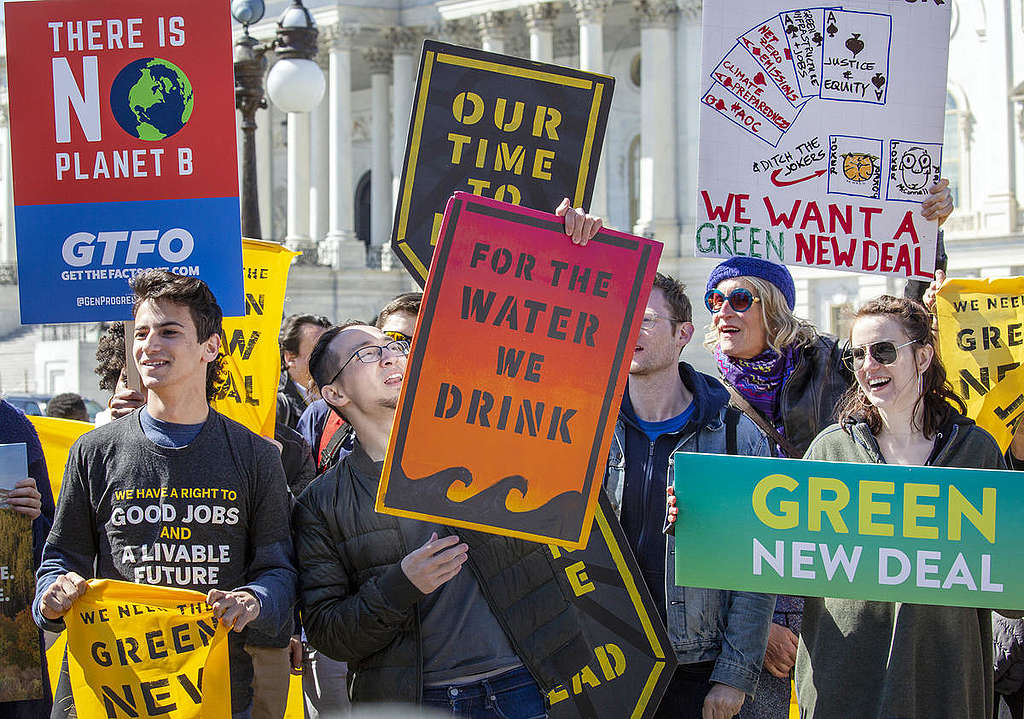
[[760, 378]]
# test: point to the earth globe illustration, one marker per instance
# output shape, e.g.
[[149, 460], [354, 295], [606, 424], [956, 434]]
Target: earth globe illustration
[[151, 98]]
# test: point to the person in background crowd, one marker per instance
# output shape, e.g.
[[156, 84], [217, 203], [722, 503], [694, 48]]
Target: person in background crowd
[[175, 440], [318, 424], [110, 359], [33, 498], [1008, 644], [881, 659], [298, 335], [387, 594], [668, 407], [67, 405]]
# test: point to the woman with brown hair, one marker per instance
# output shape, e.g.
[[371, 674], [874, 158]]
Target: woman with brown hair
[[880, 659]]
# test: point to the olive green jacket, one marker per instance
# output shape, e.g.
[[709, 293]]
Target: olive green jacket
[[880, 660]]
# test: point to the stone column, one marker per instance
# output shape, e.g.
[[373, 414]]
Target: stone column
[[297, 237], [341, 249], [658, 184], [379, 60], [319, 192], [540, 21], [688, 59], [401, 41], [8, 249], [998, 205], [590, 15], [494, 27], [265, 169]]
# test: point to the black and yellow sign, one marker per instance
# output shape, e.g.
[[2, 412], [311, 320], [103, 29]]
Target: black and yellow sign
[[503, 127], [631, 660]]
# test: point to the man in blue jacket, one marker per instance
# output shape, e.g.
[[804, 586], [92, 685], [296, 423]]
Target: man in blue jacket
[[719, 636]]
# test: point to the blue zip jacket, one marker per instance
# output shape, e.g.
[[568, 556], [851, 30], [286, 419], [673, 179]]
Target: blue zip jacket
[[729, 628]]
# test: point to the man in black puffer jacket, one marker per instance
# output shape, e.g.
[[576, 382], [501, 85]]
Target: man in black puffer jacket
[[391, 597]]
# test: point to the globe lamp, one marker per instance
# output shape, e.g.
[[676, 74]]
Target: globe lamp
[[296, 83]]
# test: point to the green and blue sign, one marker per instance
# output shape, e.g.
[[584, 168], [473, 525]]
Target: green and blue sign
[[926, 535]]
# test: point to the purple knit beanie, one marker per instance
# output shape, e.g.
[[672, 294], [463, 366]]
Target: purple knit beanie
[[738, 266]]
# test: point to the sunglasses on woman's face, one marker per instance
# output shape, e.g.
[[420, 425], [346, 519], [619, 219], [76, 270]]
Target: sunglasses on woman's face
[[398, 336], [884, 353], [741, 299]]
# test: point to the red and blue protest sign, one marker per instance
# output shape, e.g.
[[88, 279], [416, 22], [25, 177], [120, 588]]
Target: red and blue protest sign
[[123, 152]]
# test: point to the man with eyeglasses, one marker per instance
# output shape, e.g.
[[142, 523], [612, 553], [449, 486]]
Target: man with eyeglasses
[[669, 407], [392, 597], [326, 432]]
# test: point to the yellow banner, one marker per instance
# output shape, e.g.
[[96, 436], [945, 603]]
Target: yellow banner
[[981, 341], [136, 650], [252, 357], [57, 436]]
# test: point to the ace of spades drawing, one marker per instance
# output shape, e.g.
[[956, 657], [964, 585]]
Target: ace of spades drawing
[[855, 57]]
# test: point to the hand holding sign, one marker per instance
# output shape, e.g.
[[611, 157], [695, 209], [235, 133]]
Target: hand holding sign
[[780, 654], [579, 226], [939, 203], [25, 498], [234, 609], [59, 596], [435, 562]]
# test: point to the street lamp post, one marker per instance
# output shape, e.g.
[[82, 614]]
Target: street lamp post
[[295, 84]]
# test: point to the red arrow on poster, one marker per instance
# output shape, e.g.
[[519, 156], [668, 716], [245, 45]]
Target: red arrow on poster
[[783, 183]]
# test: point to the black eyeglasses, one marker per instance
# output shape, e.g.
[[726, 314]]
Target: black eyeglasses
[[398, 336], [884, 352], [374, 353], [740, 299]]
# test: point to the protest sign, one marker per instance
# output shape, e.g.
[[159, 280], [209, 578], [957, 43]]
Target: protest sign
[[119, 114], [141, 651], [56, 436], [877, 532], [981, 341], [522, 347], [249, 346], [21, 670], [632, 660], [516, 130], [821, 132]]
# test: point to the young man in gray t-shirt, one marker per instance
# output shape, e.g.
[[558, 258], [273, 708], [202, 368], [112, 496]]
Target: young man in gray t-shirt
[[131, 487]]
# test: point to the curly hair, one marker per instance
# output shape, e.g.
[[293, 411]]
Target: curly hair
[[110, 356], [937, 394], [783, 328], [193, 293]]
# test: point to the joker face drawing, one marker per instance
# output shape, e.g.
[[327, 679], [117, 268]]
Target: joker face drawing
[[916, 169]]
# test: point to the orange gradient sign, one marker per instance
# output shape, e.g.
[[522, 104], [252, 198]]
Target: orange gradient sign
[[517, 370]]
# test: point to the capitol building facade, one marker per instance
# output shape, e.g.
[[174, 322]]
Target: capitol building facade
[[327, 179]]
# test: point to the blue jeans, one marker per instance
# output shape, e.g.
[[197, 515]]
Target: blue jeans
[[512, 695]]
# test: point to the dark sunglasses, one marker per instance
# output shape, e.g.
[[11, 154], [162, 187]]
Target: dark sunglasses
[[740, 299], [398, 336], [884, 352]]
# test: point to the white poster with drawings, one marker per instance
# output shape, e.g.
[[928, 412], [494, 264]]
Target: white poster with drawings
[[821, 132]]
